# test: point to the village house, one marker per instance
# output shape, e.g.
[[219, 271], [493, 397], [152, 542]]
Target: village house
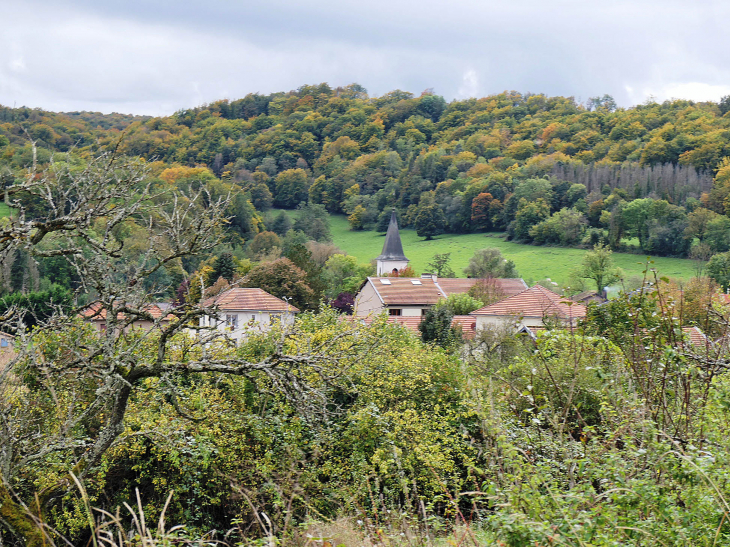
[[533, 308], [158, 314], [6, 341], [410, 297], [413, 296], [243, 310]]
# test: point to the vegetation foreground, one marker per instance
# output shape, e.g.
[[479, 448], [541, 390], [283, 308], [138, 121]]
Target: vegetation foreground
[[573, 439], [330, 431]]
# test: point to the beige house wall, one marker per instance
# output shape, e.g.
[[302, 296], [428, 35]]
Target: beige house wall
[[100, 325], [411, 311], [367, 301]]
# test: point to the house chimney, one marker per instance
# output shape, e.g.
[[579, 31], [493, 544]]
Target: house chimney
[[429, 276]]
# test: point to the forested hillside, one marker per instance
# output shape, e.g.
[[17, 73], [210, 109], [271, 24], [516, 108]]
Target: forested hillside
[[546, 170]]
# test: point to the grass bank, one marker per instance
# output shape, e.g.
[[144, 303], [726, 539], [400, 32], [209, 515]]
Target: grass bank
[[4, 210]]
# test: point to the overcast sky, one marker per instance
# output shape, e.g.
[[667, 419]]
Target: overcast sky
[[158, 56]]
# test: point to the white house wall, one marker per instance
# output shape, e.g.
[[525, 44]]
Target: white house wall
[[248, 322]]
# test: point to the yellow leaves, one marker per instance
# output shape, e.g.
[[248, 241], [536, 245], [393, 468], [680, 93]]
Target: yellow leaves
[[172, 175], [722, 175], [480, 170]]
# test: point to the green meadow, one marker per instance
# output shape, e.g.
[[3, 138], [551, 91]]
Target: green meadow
[[4, 210], [533, 263]]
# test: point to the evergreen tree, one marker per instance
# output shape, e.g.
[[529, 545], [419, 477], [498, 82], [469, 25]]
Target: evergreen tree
[[281, 224], [224, 267]]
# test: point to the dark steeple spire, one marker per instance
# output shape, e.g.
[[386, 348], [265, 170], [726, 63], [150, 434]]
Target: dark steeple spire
[[392, 248]]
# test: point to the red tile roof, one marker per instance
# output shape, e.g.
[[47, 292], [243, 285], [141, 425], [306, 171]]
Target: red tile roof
[[249, 299], [402, 290], [536, 301], [417, 291], [696, 337], [94, 312], [467, 323]]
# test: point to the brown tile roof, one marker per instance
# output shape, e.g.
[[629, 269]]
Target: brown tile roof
[[588, 296], [536, 301], [417, 291], [249, 299], [402, 290]]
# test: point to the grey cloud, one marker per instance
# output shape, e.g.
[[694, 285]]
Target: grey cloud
[[155, 57]]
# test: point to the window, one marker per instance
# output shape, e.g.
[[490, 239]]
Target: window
[[394, 311], [232, 322], [416, 281], [385, 281], [3, 343]]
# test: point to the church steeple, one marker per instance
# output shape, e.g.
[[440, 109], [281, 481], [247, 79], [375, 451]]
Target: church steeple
[[392, 257]]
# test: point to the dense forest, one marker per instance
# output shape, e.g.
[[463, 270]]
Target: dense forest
[[652, 179], [466, 165]]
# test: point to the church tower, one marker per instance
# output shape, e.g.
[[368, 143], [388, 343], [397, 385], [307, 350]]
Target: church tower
[[392, 257]]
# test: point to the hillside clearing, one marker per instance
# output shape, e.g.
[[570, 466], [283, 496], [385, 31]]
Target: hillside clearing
[[533, 263]]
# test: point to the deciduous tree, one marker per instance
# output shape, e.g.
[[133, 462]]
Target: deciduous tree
[[598, 266], [489, 262]]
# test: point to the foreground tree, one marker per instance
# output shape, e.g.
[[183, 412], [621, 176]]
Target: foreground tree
[[63, 400], [436, 327]]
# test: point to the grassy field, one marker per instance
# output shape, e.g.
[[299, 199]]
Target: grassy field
[[533, 263], [4, 210]]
